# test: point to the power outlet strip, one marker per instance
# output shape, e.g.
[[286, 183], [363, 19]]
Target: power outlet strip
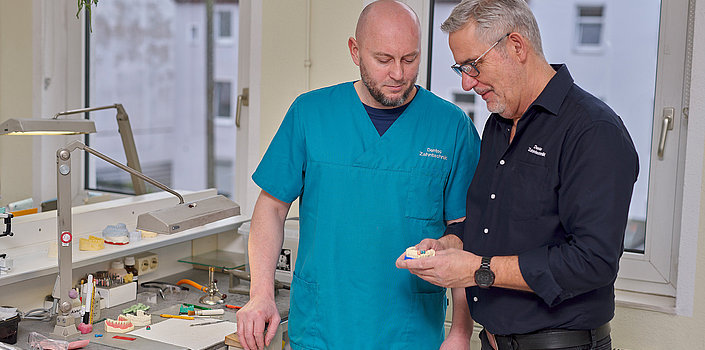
[[146, 262]]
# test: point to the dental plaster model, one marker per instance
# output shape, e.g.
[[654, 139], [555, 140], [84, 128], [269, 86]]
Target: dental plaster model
[[121, 325], [116, 234], [92, 243], [140, 320], [148, 234], [414, 253]]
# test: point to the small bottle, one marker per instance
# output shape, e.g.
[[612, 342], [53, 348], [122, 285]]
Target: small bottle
[[117, 268], [130, 267]]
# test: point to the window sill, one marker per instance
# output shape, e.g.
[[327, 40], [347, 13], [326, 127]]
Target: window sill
[[644, 301]]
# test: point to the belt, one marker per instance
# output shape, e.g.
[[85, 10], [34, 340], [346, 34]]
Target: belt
[[552, 338]]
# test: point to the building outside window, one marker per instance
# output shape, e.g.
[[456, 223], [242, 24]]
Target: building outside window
[[150, 56], [589, 27]]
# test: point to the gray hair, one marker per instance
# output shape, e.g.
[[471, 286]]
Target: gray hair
[[495, 18]]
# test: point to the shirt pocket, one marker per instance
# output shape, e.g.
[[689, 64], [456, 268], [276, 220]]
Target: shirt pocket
[[528, 191], [424, 199]]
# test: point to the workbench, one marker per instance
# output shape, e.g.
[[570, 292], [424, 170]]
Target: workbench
[[162, 306]]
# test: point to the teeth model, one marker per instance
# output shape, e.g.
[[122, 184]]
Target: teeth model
[[414, 253], [116, 234], [121, 325], [139, 320], [92, 243]]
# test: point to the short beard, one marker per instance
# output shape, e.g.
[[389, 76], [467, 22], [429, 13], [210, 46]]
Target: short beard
[[379, 96]]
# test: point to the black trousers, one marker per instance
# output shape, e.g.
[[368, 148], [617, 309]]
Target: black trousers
[[602, 344]]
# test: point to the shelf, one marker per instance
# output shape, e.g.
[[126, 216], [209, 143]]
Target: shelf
[[34, 234], [31, 262], [219, 259]]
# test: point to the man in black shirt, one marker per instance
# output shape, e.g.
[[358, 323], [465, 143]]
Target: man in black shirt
[[547, 207]]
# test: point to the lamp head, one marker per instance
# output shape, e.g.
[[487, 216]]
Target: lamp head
[[46, 127]]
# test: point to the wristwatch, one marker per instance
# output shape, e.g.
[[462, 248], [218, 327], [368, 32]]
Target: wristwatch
[[484, 277]]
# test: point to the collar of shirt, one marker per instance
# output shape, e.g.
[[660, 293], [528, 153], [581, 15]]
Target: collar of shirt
[[552, 96]]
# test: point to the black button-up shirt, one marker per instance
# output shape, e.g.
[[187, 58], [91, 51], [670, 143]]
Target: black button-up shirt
[[558, 197]]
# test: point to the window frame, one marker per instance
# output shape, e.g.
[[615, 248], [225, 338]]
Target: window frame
[[223, 40], [663, 278], [579, 46]]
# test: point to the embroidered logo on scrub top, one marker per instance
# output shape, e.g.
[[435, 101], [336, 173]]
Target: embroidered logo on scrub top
[[433, 153], [537, 150]]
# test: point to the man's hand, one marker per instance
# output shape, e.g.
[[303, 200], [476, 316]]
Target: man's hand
[[251, 321], [450, 268]]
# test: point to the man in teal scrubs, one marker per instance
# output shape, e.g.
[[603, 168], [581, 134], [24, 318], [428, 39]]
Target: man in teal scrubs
[[378, 164]]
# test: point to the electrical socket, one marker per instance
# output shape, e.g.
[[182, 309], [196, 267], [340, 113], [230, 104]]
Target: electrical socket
[[146, 262]]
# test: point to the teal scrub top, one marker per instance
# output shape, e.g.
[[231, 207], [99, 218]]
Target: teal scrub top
[[365, 198]]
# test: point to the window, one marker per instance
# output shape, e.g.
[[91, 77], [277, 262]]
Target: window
[[223, 99], [224, 25], [589, 26], [150, 57], [641, 84]]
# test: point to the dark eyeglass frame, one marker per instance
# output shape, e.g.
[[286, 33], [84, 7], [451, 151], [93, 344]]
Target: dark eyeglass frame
[[471, 68]]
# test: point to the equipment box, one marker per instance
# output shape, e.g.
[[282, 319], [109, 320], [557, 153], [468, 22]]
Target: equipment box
[[8, 330], [118, 295]]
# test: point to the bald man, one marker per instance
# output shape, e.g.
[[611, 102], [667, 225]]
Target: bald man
[[378, 164]]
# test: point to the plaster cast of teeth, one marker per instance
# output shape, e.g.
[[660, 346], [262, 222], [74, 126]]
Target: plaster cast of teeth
[[92, 243], [413, 253], [121, 325], [139, 320], [148, 234], [116, 234]]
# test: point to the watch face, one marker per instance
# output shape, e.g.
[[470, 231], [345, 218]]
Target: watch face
[[484, 277]]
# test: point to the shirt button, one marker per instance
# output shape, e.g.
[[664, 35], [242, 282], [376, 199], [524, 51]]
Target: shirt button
[[474, 299], [492, 196], [501, 162], [486, 230]]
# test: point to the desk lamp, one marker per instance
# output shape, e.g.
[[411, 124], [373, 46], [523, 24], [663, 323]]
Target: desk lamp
[[168, 220], [65, 324]]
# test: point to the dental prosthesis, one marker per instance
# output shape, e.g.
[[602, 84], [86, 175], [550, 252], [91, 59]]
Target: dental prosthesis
[[139, 320], [116, 234], [414, 253], [92, 243], [121, 325]]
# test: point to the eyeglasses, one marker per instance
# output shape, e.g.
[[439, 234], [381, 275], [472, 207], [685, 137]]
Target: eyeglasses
[[471, 68]]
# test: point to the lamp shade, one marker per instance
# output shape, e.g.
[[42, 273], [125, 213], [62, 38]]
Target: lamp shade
[[46, 127]]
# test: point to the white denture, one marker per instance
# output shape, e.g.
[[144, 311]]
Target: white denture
[[121, 325], [139, 320]]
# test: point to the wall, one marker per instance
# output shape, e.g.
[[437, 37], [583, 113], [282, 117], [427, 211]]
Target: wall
[[15, 98], [333, 21]]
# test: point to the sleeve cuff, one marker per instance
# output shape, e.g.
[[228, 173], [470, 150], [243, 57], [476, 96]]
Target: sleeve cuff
[[456, 228], [537, 274]]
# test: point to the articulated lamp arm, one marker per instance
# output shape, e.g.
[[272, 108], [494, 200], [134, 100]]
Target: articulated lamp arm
[[128, 141], [80, 145]]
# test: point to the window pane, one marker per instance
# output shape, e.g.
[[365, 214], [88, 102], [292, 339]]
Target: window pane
[[590, 33], [224, 27], [222, 100], [623, 74], [150, 56], [592, 11]]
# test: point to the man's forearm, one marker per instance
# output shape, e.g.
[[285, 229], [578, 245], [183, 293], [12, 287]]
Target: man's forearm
[[265, 242], [461, 321], [508, 274]]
